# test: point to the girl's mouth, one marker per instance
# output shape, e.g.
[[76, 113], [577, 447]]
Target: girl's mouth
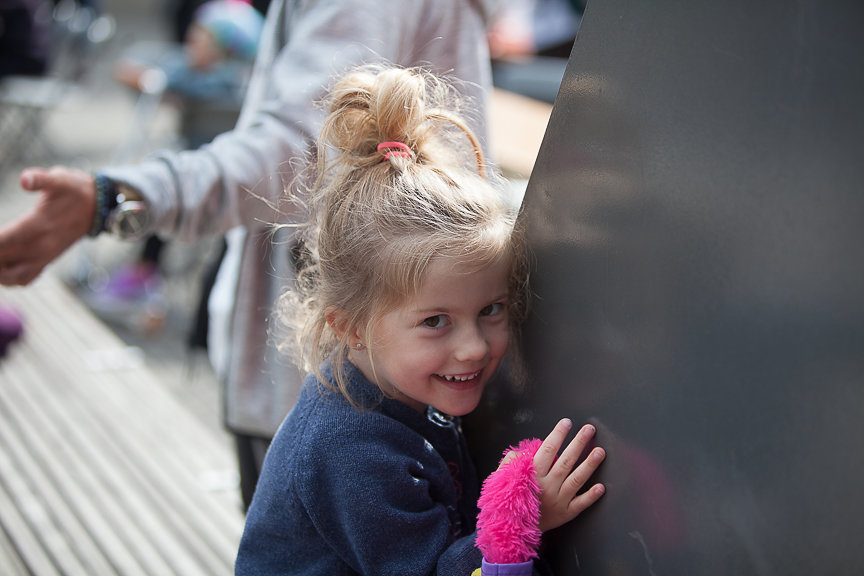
[[459, 378]]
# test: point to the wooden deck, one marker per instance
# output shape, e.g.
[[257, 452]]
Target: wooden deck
[[102, 470]]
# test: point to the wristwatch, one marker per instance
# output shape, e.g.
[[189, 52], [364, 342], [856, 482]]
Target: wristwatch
[[121, 210], [129, 218]]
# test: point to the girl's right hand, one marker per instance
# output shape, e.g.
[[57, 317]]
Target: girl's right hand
[[562, 477]]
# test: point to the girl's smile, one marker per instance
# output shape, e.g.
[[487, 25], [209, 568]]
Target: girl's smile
[[462, 379]]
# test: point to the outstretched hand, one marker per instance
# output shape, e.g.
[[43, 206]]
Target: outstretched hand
[[62, 214], [562, 477]]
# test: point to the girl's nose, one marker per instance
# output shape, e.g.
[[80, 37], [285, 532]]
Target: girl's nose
[[471, 344]]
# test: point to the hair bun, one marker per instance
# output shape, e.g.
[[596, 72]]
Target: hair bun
[[373, 104]]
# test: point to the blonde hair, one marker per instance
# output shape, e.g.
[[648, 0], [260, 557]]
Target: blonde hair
[[376, 223]]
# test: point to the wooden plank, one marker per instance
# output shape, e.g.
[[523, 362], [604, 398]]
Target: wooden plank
[[9, 557], [110, 462], [22, 544], [24, 463], [84, 484]]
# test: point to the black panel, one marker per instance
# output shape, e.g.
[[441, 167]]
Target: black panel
[[697, 215]]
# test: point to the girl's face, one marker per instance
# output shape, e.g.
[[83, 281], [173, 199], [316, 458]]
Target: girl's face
[[442, 346]]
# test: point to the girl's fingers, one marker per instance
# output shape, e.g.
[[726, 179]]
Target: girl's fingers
[[583, 472], [548, 451], [569, 459], [561, 477], [583, 501]]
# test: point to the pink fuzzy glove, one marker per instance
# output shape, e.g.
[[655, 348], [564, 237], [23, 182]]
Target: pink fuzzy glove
[[507, 525]]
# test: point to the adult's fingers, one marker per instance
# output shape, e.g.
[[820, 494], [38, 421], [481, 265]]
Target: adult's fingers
[[14, 239], [34, 179], [21, 255], [19, 274]]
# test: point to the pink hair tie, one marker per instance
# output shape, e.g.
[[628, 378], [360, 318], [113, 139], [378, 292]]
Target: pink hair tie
[[402, 149]]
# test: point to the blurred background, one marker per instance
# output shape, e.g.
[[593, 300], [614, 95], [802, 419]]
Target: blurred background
[[84, 111], [79, 114]]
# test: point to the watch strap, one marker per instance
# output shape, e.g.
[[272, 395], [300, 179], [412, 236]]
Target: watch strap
[[106, 201]]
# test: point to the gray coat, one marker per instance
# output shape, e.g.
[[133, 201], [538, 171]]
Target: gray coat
[[236, 183]]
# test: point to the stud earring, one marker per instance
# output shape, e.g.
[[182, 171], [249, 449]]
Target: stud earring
[[359, 346]]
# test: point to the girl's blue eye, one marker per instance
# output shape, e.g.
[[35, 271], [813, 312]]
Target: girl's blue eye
[[438, 321], [492, 309]]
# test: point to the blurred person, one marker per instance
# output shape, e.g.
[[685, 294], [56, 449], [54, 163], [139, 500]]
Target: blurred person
[[214, 62], [530, 43], [209, 72], [181, 14], [25, 37], [524, 28], [235, 184]]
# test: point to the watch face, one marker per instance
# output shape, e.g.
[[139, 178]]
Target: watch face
[[129, 220]]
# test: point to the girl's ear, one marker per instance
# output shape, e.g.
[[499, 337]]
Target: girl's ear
[[337, 319]]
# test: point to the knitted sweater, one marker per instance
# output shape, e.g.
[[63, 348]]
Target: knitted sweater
[[381, 490]]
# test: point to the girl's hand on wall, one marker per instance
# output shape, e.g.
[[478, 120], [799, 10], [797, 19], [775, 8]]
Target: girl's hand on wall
[[562, 477]]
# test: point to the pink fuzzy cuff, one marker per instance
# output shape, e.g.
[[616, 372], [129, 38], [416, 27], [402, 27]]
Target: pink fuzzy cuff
[[507, 525]]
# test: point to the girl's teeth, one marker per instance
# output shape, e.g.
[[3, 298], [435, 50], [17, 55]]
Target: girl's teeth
[[459, 378]]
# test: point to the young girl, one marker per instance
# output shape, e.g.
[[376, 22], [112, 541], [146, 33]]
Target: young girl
[[414, 281]]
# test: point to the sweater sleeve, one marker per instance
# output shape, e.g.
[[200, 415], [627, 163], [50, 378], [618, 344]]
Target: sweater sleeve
[[383, 501]]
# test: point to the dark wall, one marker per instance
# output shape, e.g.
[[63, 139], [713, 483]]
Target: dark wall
[[697, 215]]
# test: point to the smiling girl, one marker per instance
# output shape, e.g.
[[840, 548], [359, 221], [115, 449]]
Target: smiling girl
[[413, 281]]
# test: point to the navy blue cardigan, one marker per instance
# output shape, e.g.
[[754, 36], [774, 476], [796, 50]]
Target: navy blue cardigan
[[382, 490]]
